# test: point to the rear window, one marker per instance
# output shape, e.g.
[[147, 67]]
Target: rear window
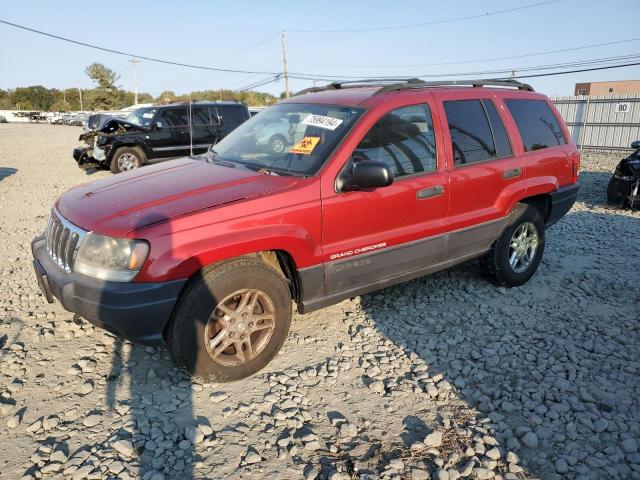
[[471, 136], [537, 124]]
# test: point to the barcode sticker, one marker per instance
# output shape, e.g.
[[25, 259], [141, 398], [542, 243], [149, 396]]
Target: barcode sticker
[[328, 123]]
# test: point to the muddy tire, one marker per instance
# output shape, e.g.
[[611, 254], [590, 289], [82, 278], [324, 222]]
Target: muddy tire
[[127, 158], [516, 255], [277, 144], [231, 321]]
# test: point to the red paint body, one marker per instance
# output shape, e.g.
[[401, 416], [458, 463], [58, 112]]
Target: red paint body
[[194, 214]]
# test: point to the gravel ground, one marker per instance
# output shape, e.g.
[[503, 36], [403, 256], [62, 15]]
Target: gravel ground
[[444, 377]]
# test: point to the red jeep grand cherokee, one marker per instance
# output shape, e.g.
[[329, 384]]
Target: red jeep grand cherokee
[[377, 184]]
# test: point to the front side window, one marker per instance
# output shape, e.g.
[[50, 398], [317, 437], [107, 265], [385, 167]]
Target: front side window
[[175, 117], [403, 139], [471, 137], [537, 124], [287, 139]]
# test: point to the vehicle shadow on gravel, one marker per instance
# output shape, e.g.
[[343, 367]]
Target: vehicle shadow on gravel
[[551, 366], [7, 172], [593, 188], [145, 386]]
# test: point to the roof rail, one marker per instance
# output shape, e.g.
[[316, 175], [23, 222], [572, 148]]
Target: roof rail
[[366, 82], [484, 82], [397, 84]]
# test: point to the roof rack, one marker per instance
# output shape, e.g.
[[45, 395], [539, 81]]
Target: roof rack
[[367, 82], [397, 84]]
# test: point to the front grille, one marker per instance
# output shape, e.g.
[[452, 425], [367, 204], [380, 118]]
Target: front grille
[[63, 240]]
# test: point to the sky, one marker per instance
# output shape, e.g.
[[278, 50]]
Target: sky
[[218, 34]]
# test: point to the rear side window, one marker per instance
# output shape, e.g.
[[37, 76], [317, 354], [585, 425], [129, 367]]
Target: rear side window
[[537, 124], [232, 115], [403, 139], [503, 146], [471, 136]]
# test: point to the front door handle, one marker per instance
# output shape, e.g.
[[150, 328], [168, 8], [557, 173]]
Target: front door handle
[[513, 173], [430, 192]]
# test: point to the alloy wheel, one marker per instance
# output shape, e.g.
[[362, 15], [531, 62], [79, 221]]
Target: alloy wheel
[[127, 161], [240, 327], [523, 247]]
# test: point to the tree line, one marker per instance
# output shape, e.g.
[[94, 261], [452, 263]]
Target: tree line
[[106, 95]]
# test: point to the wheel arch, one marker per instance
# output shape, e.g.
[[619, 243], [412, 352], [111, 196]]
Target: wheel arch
[[280, 260], [129, 143]]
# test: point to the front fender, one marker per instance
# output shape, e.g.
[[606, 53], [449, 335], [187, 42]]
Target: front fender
[[183, 255]]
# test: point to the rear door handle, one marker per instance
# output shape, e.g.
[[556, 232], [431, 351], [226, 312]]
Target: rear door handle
[[430, 192], [513, 173]]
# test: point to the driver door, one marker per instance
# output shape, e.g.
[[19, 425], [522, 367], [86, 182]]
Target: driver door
[[372, 236]]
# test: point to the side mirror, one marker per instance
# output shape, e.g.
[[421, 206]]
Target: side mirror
[[158, 125], [635, 144], [367, 174]]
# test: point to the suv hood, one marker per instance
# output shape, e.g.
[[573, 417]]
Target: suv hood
[[127, 201], [110, 125]]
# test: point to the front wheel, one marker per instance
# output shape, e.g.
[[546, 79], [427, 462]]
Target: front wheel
[[126, 158], [516, 255], [232, 320]]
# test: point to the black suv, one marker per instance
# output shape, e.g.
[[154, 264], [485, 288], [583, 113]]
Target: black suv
[[158, 132]]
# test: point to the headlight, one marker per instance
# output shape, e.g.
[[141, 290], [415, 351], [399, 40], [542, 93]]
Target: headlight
[[106, 258]]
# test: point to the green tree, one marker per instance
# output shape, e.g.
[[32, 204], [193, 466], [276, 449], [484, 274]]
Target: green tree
[[35, 97], [104, 77]]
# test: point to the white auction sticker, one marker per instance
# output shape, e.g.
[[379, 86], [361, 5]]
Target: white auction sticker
[[328, 123]]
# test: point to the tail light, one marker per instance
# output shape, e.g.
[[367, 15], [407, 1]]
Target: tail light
[[575, 165]]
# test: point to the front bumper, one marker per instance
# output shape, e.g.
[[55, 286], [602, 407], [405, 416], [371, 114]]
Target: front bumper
[[562, 200], [83, 156], [136, 311]]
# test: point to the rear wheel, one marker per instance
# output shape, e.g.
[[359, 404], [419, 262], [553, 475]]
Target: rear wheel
[[232, 320], [516, 255], [126, 158]]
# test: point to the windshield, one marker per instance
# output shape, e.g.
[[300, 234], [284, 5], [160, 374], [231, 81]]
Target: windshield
[[142, 116], [290, 138]]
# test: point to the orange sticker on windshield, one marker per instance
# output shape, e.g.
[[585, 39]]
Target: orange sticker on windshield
[[305, 146]]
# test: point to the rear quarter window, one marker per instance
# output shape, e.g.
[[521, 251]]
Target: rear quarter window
[[232, 115], [538, 126]]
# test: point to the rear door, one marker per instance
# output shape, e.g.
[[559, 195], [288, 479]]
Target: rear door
[[483, 169], [205, 127], [170, 134], [372, 236]]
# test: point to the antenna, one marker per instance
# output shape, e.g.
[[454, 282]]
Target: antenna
[[135, 80], [190, 129], [284, 64]]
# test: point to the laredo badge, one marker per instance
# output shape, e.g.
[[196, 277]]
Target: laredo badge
[[305, 146]]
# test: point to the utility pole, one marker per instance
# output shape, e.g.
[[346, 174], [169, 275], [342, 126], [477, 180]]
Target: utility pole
[[284, 64], [135, 79], [80, 95]]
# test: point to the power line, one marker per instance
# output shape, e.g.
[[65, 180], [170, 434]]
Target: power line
[[548, 74], [433, 22], [475, 73], [252, 77], [477, 60], [261, 83], [118, 52], [257, 44]]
